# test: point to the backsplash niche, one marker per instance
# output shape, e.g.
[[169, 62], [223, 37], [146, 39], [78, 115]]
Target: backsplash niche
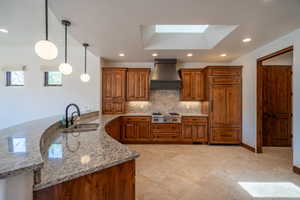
[[164, 101]]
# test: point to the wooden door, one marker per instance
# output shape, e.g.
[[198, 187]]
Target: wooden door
[[277, 111], [138, 84]]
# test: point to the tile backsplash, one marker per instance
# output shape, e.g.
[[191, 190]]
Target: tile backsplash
[[164, 101]]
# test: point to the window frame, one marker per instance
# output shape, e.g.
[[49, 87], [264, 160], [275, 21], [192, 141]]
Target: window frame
[[8, 80], [46, 81]]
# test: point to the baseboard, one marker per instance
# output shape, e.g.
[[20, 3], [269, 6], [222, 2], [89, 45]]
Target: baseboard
[[246, 146], [296, 170]]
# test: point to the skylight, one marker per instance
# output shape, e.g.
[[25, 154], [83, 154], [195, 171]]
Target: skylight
[[180, 28]]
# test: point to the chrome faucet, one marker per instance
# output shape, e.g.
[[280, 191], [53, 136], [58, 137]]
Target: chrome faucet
[[72, 117]]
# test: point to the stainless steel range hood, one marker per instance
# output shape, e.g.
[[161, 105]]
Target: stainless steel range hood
[[165, 75]]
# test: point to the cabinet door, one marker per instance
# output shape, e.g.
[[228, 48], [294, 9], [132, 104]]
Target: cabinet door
[[198, 86], [233, 100], [138, 84], [143, 130], [218, 107], [113, 108], [199, 133], [226, 106], [194, 132], [113, 84], [187, 132], [186, 90], [129, 133]]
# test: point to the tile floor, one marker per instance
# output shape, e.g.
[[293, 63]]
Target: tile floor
[[196, 172]]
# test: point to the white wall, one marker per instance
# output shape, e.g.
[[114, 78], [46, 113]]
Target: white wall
[[249, 89], [33, 101], [17, 187]]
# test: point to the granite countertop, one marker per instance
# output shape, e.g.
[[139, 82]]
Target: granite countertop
[[71, 155], [41, 146], [20, 146]]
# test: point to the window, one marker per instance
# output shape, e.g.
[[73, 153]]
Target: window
[[180, 28], [53, 78], [15, 78]]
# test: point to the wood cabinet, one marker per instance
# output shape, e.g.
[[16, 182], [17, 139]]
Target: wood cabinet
[[113, 90], [224, 92], [166, 133], [194, 129], [136, 130], [113, 128], [137, 84], [114, 183], [192, 85]]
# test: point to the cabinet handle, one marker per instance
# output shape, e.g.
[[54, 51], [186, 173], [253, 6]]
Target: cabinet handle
[[212, 105]]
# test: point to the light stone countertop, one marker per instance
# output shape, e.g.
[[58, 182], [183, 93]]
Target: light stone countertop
[[40, 146]]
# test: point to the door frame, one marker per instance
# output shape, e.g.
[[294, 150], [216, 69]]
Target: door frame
[[259, 95]]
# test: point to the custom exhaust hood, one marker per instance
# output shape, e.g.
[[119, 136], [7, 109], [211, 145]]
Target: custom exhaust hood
[[164, 75]]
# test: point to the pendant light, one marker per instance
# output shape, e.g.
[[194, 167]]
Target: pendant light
[[85, 77], [65, 68], [44, 48]]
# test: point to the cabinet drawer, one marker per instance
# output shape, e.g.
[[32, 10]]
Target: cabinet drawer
[[225, 135], [136, 119], [165, 128], [225, 72], [225, 80], [194, 120]]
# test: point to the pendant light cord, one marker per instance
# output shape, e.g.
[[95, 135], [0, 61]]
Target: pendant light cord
[[46, 18], [66, 43], [85, 59]]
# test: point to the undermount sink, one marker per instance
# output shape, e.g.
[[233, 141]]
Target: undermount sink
[[81, 128]]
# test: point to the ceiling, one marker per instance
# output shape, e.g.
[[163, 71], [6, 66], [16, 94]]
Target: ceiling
[[113, 26]]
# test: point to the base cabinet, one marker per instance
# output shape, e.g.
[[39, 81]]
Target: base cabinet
[[225, 136], [136, 130], [194, 129], [166, 133], [115, 183]]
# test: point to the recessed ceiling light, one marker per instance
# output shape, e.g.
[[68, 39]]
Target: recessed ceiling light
[[189, 55], [121, 54], [2, 30], [223, 55], [247, 40], [154, 54]]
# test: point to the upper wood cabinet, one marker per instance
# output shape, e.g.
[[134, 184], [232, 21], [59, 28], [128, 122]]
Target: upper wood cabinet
[[137, 84], [192, 85], [113, 90], [224, 92]]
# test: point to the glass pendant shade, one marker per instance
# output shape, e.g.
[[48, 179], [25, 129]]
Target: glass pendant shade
[[46, 49], [85, 77], [65, 68]]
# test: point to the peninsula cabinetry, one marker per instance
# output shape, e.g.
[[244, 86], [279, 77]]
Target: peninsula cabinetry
[[114, 183], [192, 85], [224, 93], [136, 130], [137, 84], [113, 90]]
